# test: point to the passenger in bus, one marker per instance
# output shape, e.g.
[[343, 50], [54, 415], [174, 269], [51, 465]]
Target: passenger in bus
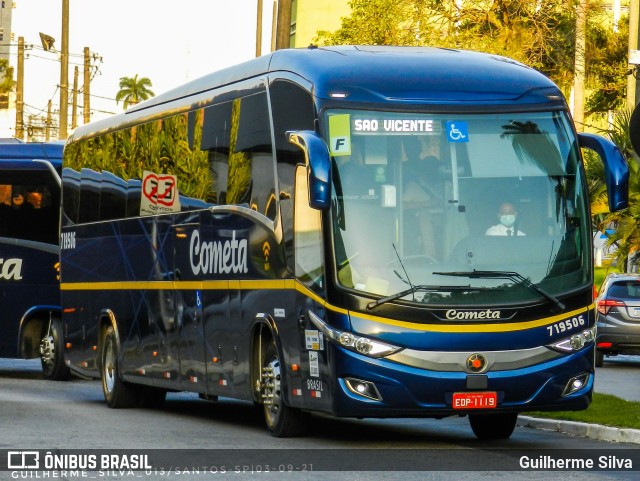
[[419, 197], [356, 179], [34, 199], [507, 222], [17, 199]]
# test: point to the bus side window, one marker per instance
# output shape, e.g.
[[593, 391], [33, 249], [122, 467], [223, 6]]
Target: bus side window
[[90, 183], [308, 236], [113, 197], [29, 211], [253, 145], [134, 193], [216, 139], [5, 208], [237, 135], [71, 193], [283, 94]]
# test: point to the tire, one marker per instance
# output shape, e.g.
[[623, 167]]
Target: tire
[[52, 353], [282, 421], [599, 358], [488, 427], [117, 393]]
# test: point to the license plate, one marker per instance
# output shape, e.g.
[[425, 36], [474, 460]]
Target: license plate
[[637, 312], [474, 400]]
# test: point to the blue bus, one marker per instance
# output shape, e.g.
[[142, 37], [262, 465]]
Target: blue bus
[[30, 317], [309, 231]]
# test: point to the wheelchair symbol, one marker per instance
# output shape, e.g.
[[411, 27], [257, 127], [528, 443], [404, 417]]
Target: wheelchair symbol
[[457, 132]]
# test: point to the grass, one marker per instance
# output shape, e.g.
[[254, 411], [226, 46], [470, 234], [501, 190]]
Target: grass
[[605, 409], [599, 273]]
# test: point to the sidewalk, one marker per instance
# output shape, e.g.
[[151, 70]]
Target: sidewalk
[[593, 431], [623, 384]]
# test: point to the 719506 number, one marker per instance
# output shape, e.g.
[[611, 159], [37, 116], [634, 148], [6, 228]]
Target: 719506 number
[[567, 325]]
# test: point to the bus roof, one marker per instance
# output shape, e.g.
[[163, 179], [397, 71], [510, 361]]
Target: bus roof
[[10, 150], [376, 74]]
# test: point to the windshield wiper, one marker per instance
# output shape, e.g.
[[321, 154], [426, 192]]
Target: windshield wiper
[[514, 276], [413, 289]]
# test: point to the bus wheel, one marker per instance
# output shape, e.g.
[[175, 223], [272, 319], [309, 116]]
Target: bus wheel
[[117, 393], [52, 353], [282, 421], [489, 427]]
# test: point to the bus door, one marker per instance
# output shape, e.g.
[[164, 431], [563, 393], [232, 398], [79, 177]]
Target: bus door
[[188, 298]]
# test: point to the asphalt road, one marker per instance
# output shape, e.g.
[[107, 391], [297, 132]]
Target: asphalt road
[[620, 376], [36, 414]]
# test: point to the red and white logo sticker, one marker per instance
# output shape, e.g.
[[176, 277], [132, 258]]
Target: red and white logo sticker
[[159, 194]]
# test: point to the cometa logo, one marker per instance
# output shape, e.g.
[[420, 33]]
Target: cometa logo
[[11, 269], [476, 362], [219, 257], [452, 314]]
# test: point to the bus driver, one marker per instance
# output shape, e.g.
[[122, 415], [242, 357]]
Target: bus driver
[[507, 216]]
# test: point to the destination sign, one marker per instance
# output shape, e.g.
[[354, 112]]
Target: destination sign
[[394, 126], [342, 126]]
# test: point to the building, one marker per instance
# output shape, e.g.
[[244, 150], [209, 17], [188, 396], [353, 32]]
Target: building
[[7, 100], [309, 16], [6, 8]]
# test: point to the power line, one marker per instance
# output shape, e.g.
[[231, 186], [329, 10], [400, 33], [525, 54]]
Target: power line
[[35, 111], [31, 55], [38, 47]]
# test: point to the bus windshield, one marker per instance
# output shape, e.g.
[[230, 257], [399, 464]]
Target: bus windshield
[[458, 209]]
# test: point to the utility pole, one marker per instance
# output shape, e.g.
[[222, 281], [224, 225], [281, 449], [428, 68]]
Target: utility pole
[[259, 30], [74, 108], [274, 24], [48, 126], [64, 72], [579, 64], [86, 109], [632, 81], [20, 91], [283, 37]]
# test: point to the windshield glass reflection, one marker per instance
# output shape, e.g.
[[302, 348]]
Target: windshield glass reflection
[[418, 196]]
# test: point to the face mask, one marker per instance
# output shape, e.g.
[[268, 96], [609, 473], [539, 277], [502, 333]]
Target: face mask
[[507, 220]]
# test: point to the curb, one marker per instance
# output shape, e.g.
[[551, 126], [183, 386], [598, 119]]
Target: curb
[[594, 431]]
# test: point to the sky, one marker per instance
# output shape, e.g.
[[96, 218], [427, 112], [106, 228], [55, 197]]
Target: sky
[[167, 41]]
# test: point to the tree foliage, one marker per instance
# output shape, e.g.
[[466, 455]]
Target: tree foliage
[[625, 224], [541, 34], [6, 80], [538, 33], [134, 90]]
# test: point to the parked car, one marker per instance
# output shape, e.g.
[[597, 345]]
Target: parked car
[[618, 316]]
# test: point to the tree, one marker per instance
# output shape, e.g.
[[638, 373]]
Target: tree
[[134, 90], [541, 34], [521, 29], [626, 223], [538, 33], [607, 65], [6, 81]]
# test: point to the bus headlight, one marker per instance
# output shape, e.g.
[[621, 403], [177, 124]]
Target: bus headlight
[[360, 344], [576, 341]]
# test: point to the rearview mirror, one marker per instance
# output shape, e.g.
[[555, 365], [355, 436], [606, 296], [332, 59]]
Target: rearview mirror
[[616, 170], [318, 166]]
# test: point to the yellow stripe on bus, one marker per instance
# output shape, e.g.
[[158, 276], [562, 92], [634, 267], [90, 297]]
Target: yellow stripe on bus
[[287, 284]]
